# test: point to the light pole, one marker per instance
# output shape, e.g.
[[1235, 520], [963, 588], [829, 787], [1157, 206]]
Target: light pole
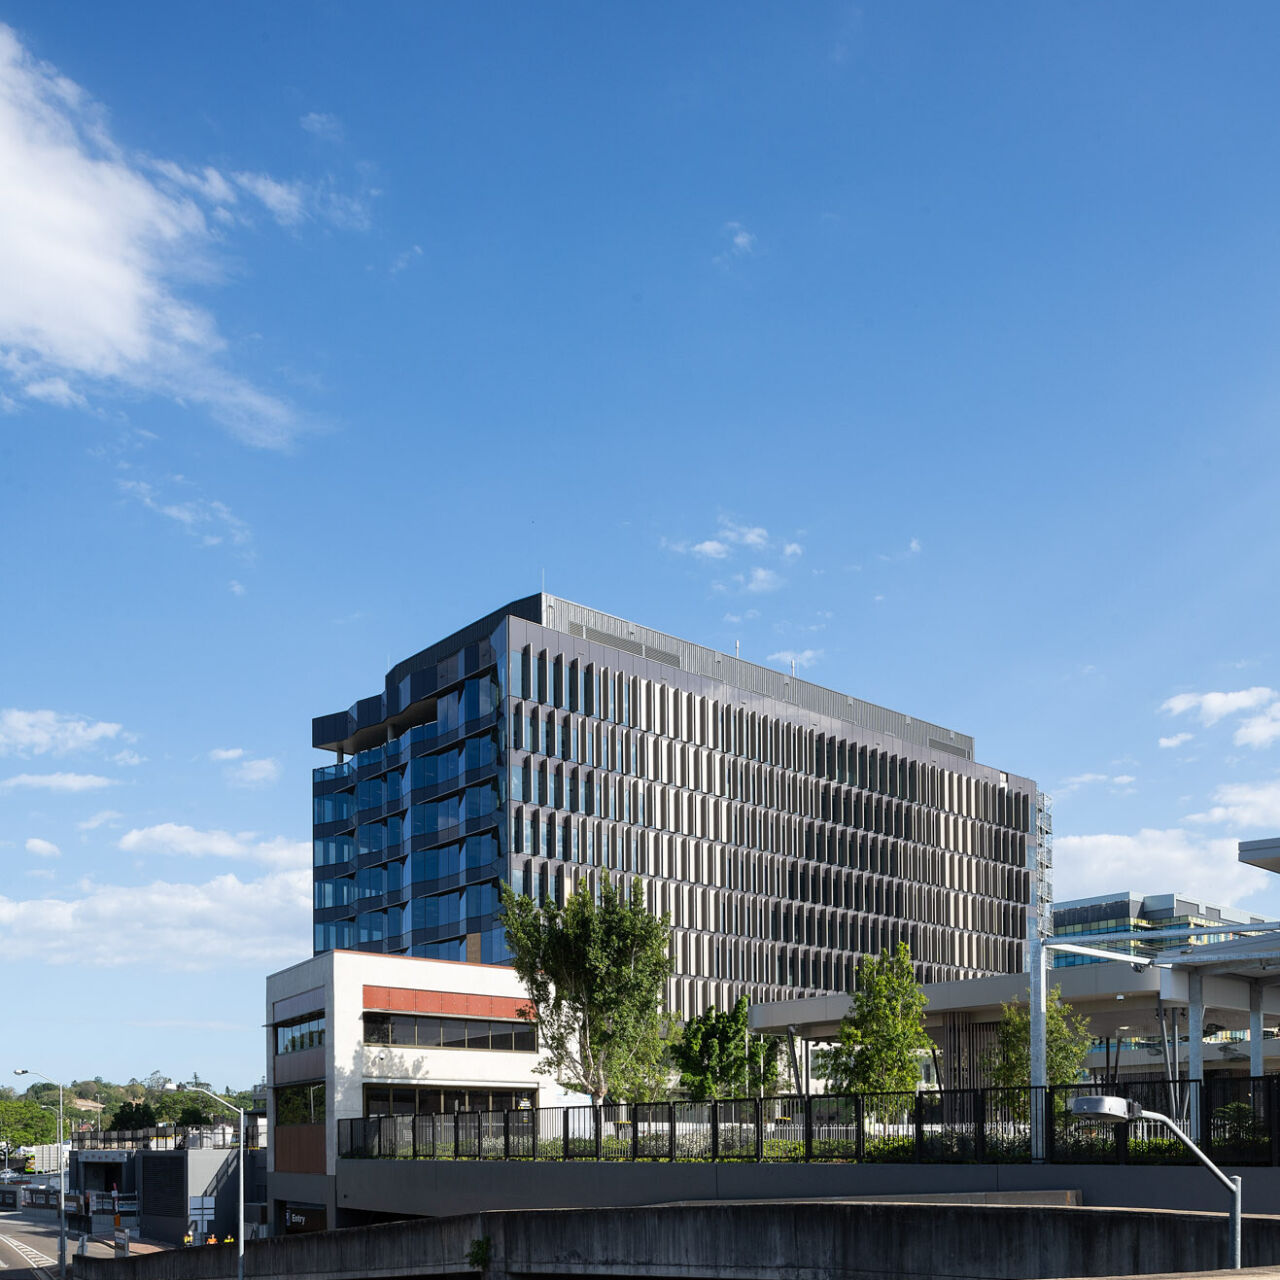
[[62, 1182], [199, 1088], [1119, 1110]]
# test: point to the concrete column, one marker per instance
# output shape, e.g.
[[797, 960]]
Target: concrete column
[[1195, 1046], [1039, 1056], [1255, 1028]]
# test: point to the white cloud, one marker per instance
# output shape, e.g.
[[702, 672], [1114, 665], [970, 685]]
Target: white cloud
[[1260, 730], [36, 733], [762, 580], [226, 753], [191, 927], [792, 549], [711, 549], [322, 125], [1176, 740], [1244, 804], [128, 758], [1153, 862], [1123, 780], [43, 848], [58, 781], [803, 658], [237, 588], [285, 201], [99, 819], [172, 838], [98, 247], [55, 391], [254, 773], [1212, 707], [741, 243], [404, 260], [210, 522], [744, 535], [913, 547]]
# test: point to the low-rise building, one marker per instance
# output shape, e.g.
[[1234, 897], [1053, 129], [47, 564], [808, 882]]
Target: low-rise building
[[350, 1035]]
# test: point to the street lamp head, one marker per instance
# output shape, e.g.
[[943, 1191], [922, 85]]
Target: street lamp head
[[21, 1071], [1110, 1110]]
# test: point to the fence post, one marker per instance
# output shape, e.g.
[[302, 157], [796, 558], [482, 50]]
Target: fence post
[[506, 1135], [564, 1154], [980, 1126], [635, 1131], [1050, 1123], [413, 1129], [918, 1120], [536, 1116], [671, 1131], [597, 1124], [759, 1130], [1273, 1130], [715, 1131], [808, 1129], [860, 1120]]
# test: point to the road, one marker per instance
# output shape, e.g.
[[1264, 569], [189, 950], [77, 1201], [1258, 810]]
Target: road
[[29, 1246]]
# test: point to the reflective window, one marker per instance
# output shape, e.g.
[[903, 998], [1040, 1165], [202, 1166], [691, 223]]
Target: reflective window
[[300, 1033]]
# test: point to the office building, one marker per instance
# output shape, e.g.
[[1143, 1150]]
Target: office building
[[1167, 915], [350, 1036], [786, 828]]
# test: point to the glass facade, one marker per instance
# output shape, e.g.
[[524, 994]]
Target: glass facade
[[785, 829]]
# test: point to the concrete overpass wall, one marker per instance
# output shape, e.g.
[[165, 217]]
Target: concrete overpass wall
[[810, 1241], [441, 1188]]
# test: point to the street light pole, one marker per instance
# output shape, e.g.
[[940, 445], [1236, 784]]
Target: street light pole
[[199, 1088], [1117, 1110], [62, 1182]]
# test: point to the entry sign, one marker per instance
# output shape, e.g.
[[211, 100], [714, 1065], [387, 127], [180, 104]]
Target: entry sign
[[122, 1242]]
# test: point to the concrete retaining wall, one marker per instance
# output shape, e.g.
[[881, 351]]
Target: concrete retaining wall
[[442, 1188], [746, 1241]]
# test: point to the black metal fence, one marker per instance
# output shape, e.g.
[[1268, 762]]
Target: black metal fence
[[174, 1137], [1239, 1122]]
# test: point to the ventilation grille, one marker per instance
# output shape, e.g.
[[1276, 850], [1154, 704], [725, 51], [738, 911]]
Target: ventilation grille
[[949, 747]]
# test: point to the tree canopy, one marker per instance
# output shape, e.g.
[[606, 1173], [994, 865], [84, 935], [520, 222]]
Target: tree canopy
[[24, 1123], [596, 974], [1067, 1044], [883, 1033], [718, 1059], [133, 1115]]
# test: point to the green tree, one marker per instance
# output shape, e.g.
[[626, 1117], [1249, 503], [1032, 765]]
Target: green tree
[[883, 1033], [24, 1123], [1067, 1043], [596, 976], [133, 1115], [718, 1059]]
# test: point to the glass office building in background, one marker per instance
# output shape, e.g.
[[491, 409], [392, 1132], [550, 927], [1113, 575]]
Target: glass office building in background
[[787, 829]]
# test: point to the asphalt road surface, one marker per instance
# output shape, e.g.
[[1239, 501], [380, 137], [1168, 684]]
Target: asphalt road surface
[[29, 1247]]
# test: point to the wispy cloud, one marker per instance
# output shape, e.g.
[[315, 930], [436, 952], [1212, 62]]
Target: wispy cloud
[[102, 818], [98, 251], [760, 580], [36, 733], [57, 782], [43, 848], [792, 549], [737, 243], [402, 261], [321, 124], [254, 773], [802, 658], [1175, 740], [711, 549], [226, 753], [744, 535], [210, 522], [177, 840], [1212, 707]]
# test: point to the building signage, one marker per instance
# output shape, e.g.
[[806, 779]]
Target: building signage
[[122, 1242], [299, 1218]]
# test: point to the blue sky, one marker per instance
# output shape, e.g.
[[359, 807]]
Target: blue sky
[[931, 345]]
